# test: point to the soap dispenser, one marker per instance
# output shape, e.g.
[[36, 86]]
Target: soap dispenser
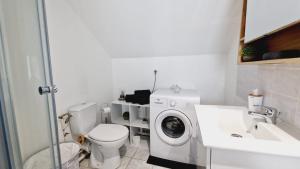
[[255, 100]]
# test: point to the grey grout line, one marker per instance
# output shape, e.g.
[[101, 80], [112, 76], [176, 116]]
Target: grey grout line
[[135, 152], [132, 157], [128, 163]]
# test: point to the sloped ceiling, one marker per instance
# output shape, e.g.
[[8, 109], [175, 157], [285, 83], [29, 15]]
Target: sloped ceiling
[[147, 28]]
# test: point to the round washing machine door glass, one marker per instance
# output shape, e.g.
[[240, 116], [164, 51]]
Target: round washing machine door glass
[[173, 127]]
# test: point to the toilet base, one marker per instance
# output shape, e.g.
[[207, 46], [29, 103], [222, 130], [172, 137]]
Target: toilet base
[[110, 160]]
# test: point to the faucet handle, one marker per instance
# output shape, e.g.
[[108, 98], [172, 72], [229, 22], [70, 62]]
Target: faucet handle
[[270, 111]]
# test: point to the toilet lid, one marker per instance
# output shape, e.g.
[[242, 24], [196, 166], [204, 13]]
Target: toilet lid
[[108, 132]]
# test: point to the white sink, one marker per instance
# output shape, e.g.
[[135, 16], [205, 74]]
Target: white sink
[[231, 128], [236, 122]]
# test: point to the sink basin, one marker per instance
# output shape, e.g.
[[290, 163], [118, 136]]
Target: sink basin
[[236, 122], [232, 128]]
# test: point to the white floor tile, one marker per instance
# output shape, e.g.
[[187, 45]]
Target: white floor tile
[[85, 168], [130, 151], [141, 154], [124, 162], [138, 164], [144, 144]]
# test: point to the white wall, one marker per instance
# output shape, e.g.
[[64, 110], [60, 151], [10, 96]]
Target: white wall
[[231, 84], [147, 28], [206, 73], [81, 67], [198, 35]]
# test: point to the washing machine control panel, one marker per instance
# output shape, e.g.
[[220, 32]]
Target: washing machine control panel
[[159, 101], [176, 104], [172, 103], [179, 104]]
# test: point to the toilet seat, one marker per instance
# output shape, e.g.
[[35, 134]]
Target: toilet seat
[[108, 132]]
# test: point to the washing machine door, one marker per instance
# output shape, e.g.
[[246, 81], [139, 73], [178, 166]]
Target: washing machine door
[[173, 127]]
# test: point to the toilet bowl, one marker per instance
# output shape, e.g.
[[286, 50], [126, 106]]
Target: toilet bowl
[[106, 141]]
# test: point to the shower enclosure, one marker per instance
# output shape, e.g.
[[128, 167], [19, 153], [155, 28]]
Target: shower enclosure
[[3, 145], [27, 105]]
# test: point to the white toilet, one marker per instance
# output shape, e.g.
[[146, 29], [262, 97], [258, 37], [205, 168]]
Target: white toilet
[[106, 139]]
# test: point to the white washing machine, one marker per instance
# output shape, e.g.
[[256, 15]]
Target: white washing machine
[[174, 133]]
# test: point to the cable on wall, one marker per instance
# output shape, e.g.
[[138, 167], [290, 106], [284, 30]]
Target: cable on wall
[[154, 84]]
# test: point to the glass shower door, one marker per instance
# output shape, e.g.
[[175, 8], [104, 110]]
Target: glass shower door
[[3, 145], [26, 88]]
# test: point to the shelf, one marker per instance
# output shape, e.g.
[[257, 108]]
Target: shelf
[[274, 61], [135, 123], [129, 104], [120, 121], [140, 124], [136, 114], [284, 38]]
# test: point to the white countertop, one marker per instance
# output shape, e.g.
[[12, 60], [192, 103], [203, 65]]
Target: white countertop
[[210, 120]]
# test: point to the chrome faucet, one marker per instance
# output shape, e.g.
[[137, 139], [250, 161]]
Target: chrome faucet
[[269, 114]]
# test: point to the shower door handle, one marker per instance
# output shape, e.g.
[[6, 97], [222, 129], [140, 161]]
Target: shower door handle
[[47, 89]]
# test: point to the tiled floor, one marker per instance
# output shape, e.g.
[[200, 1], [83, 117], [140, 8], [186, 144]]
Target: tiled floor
[[132, 158]]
